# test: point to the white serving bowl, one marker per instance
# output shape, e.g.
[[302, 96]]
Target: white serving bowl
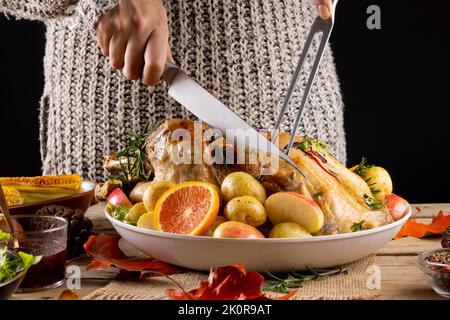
[[273, 255]]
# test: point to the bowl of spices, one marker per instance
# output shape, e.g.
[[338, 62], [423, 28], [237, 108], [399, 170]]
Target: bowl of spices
[[436, 266]]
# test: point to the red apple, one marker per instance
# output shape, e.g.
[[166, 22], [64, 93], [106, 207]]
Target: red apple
[[118, 197], [396, 205], [235, 229], [296, 208]]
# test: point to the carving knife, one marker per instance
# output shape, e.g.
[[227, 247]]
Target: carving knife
[[213, 112]]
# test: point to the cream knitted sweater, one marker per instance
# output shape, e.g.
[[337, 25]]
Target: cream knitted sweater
[[243, 51]]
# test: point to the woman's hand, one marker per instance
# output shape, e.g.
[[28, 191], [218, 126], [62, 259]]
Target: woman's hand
[[324, 7], [134, 35]]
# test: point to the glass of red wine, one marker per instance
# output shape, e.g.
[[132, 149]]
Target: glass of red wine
[[44, 237]]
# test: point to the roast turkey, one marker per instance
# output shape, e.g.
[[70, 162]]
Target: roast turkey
[[344, 197]]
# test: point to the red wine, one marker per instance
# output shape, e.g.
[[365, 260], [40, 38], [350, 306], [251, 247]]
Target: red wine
[[50, 270]]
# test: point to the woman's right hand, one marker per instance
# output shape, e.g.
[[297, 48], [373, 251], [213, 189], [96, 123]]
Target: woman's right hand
[[134, 35]]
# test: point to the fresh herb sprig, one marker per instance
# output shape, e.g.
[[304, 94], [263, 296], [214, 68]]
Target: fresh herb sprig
[[373, 204], [361, 168], [296, 280], [357, 226], [372, 186], [133, 159]]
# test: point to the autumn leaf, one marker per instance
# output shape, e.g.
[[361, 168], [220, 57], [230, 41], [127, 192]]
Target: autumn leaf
[[414, 228], [105, 252], [69, 295], [227, 283]]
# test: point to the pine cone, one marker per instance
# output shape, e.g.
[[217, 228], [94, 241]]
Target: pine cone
[[446, 238], [78, 231]]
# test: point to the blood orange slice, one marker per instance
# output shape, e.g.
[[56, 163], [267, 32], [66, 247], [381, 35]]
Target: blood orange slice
[[187, 208]]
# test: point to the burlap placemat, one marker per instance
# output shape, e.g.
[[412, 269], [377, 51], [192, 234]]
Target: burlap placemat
[[357, 283]]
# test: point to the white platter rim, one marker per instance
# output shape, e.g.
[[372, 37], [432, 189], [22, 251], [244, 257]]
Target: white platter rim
[[175, 236]]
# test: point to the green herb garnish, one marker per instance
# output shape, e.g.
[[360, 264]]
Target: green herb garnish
[[373, 203], [357, 226], [318, 194], [308, 144], [362, 167], [372, 186], [133, 159], [296, 280]]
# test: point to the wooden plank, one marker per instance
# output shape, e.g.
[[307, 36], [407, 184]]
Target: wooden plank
[[428, 209], [401, 278], [409, 246]]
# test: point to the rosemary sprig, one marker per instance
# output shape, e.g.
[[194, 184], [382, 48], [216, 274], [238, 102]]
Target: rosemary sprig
[[362, 167], [373, 203], [296, 280], [361, 170], [372, 186], [357, 226], [133, 159], [318, 194]]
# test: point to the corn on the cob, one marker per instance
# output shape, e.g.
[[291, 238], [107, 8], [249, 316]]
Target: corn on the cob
[[46, 184], [12, 196]]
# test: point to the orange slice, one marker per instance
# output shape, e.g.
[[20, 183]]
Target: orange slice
[[187, 208]]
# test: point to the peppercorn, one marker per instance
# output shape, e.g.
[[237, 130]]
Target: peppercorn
[[442, 257], [446, 238]]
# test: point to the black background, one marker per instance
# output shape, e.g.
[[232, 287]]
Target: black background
[[394, 80]]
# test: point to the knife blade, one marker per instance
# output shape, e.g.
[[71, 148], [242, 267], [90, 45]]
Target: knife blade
[[210, 110]]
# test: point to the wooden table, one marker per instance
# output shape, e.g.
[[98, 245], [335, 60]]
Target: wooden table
[[400, 275]]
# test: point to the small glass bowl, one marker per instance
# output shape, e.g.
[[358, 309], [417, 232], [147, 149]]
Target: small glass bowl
[[437, 275]]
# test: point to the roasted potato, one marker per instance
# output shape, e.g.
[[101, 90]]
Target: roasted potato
[[136, 212], [246, 209], [154, 192], [137, 194], [379, 181], [288, 230], [239, 184], [146, 221]]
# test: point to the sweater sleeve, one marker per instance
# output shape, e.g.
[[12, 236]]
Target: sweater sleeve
[[91, 10], [37, 9]]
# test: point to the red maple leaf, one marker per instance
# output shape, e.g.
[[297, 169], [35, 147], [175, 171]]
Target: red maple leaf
[[414, 228], [105, 252], [227, 283]]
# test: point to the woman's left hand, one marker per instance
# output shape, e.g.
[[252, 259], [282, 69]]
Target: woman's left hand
[[324, 8]]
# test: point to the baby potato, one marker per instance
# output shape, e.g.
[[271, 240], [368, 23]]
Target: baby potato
[[136, 212], [137, 194], [378, 179], [146, 221], [288, 230], [154, 191], [239, 184], [246, 209]]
